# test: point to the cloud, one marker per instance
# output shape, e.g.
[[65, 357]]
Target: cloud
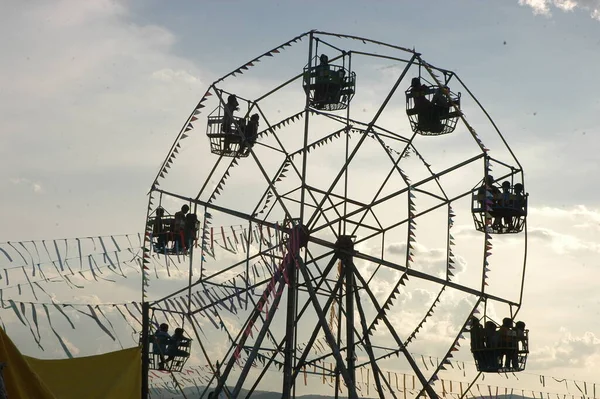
[[543, 7], [36, 187], [575, 351], [563, 243]]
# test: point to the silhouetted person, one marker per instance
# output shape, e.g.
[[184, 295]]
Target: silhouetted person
[[158, 230], [427, 120], [228, 120], [231, 106], [179, 227], [177, 341], [322, 80], [160, 342], [492, 354], [519, 200], [190, 229], [521, 340], [507, 338], [477, 342], [505, 201], [251, 130], [441, 103]]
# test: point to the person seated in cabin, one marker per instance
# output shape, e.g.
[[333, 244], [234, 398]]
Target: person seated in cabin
[[178, 228], [178, 340], [228, 126], [504, 207], [322, 81], [518, 204], [521, 337], [517, 336], [477, 341], [158, 230], [251, 130], [428, 121], [190, 229], [229, 109], [508, 348], [335, 86], [160, 342], [492, 355], [488, 185], [441, 102]]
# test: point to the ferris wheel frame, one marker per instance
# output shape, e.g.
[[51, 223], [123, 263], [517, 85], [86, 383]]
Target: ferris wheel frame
[[343, 248]]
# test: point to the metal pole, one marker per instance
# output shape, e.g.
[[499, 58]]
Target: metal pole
[[290, 327], [145, 348], [306, 128], [345, 242]]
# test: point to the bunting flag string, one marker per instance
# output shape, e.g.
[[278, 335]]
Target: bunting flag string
[[317, 143], [326, 374], [290, 119], [450, 243], [269, 53], [64, 277], [429, 313], [411, 236], [365, 41], [61, 257], [219, 187], [182, 135], [488, 224], [95, 312]]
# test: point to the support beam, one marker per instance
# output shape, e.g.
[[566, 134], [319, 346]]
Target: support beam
[[145, 348]]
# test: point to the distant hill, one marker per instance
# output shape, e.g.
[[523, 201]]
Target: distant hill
[[192, 393]]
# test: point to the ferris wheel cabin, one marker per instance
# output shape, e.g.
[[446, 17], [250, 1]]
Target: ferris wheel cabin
[[231, 136], [173, 234], [329, 87], [502, 349], [432, 110], [168, 353], [499, 210]]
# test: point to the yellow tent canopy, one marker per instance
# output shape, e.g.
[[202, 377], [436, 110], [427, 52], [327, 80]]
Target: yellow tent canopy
[[114, 375]]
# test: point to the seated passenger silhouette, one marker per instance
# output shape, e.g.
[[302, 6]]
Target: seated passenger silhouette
[[519, 200], [190, 229], [251, 130], [334, 91], [158, 230], [518, 337], [508, 348], [428, 121], [228, 126], [487, 185], [477, 341], [177, 341], [505, 211], [492, 354], [179, 228], [231, 106], [441, 103], [521, 337], [160, 342], [322, 81]]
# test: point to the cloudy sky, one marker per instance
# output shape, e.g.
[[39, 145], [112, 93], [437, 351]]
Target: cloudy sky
[[93, 94]]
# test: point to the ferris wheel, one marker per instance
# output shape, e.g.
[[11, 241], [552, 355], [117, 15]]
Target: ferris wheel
[[349, 181]]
